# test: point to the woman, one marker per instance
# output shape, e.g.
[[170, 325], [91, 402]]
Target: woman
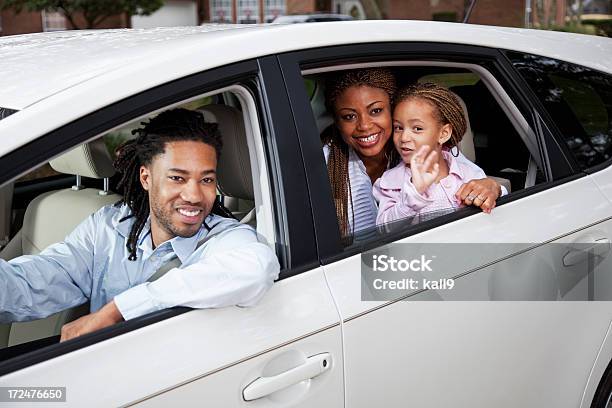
[[358, 147]]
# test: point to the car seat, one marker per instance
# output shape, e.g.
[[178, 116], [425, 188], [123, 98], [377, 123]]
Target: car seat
[[234, 178], [466, 146], [6, 204], [53, 215]]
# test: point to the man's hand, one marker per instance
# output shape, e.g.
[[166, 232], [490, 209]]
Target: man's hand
[[107, 316]]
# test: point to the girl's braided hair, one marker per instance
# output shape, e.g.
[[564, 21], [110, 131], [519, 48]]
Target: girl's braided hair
[[169, 126], [337, 163], [446, 105]]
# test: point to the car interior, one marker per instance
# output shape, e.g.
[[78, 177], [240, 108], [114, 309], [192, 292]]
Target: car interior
[[492, 140], [45, 205]]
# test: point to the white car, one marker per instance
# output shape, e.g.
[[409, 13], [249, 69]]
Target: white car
[[532, 334]]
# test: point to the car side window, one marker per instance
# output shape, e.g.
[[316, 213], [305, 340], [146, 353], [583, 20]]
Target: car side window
[[241, 189], [578, 100], [504, 147]]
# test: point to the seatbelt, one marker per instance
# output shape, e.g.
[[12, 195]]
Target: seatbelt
[[532, 170], [175, 262]]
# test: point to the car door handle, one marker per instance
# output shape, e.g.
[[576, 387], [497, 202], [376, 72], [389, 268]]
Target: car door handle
[[598, 247], [263, 386]]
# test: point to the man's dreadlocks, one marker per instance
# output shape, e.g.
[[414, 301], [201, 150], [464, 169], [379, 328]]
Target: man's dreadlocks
[[169, 126]]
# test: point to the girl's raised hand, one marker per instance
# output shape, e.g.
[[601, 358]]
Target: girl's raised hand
[[425, 168]]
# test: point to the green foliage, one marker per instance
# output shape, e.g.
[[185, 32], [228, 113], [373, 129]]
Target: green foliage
[[112, 140], [93, 11], [603, 27], [576, 28]]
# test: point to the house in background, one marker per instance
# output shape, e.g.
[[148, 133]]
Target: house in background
[[174, 13], [194, 12], [597, 7], [33, 22]]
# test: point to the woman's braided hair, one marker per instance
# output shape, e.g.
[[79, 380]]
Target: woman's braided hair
[[448, 109], [169, 126], [337, 163]]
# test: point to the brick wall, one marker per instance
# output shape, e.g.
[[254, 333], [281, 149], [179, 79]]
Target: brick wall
[[31, 22], [492, 12], [300, 6], [441, 6], [409, 10], [22, 23], [509, 13]]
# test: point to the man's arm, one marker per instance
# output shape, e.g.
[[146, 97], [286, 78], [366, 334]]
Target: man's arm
[[234, 269], [36, 286], [106, 316]]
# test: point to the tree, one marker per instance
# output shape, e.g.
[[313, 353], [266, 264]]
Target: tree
[[371, 9], [548, 13], [93, 11]]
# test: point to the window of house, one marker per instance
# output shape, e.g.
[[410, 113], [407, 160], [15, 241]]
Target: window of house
[[248, 11], [221, 11], [273, 9], [53, 21], [578, 100]]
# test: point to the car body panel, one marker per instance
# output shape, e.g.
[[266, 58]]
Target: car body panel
[[184, 348], [325, 390], [453, 349], [599, 367], [509, 224], [603, 179], [473, 354]]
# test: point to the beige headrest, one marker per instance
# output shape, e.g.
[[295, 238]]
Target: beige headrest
[[467, 142], [317, 102], [234, 167], [88, 160]]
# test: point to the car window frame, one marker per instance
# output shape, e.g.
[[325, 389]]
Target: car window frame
[[545, 116], [491, 59], [296, 254]]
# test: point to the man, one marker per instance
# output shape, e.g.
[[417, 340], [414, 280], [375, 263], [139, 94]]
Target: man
[[169, 200]]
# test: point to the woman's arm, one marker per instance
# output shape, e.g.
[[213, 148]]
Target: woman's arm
[[480, 191]]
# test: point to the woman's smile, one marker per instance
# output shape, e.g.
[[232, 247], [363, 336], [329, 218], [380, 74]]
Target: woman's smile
[[368, 140], [363, 117]]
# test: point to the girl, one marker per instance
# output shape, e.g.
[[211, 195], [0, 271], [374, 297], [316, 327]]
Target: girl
[[428, 122], [358, 146]]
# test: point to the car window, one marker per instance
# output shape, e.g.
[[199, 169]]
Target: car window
[[38, 201], [578, 100], [6, 112], [452, 79], [115, 137], [494, 141]]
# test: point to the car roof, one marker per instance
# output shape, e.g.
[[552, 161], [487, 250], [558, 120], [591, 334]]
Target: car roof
[[90, 69]]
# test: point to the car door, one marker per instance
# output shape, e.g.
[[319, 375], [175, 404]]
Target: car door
[[416, 349], [577, 102], [286, 350]]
